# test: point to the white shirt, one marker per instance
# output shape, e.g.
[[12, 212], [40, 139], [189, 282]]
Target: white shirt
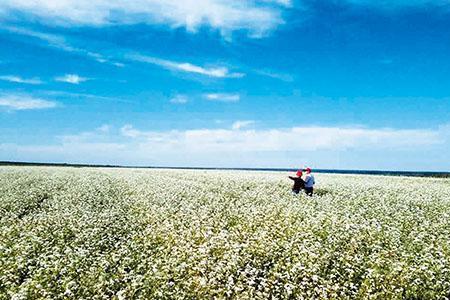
[[309, 180]]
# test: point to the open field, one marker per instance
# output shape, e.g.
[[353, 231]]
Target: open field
[[142, 234]]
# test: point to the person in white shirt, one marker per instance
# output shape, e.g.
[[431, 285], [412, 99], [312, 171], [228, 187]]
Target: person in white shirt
[[309, 182]]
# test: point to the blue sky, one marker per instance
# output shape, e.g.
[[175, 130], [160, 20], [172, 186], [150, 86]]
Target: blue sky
[[350, 84]]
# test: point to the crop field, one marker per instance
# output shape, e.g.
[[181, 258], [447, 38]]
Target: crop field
[[86, 233]]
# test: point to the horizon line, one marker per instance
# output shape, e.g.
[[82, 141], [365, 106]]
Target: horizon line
[[318, 170]]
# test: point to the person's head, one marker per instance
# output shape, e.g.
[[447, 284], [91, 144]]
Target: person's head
[[299, 173], [308, 170]]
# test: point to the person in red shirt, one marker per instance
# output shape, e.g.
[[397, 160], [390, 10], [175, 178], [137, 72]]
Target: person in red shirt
[[299, 184]]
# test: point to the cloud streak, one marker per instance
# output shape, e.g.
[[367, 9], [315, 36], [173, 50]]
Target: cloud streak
[[71, 78], [59, 42], [256, 17], [18, 79], [241, 124], [280, 139], [24, 102], [222, 97], [276, 147], [179, 99], [218, 72]]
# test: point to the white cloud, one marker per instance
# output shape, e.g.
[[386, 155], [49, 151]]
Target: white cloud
[[99, 135], [179, 99], [105, 128], [71, 78], [275, 75], [59, 42], [277, 147], [286, 3], [129, 131], [53, 40], [213, 72], [24, 102], [241, 124], [222, 97], [118, 64], [18, 79], [219, 72], [256, 17], [79, 96], [282, 139]]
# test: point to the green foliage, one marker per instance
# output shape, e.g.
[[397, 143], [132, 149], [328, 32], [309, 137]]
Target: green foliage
[[174, 234]]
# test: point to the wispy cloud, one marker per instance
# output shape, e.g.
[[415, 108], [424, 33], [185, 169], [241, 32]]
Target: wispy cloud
[[71, 78], [286, 3], [18, 79], [25, 102], [222, 97], [179, 99], [118, 64], [242, 124], [101, 134], [82, 96], [280, 139], [105, 128], [59, 42], [54, 40], [129, 131], [214, 71], [275, 75], [275, 147], [256, 17]]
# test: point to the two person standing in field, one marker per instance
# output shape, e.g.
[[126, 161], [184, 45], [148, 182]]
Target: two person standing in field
[[306, 184]]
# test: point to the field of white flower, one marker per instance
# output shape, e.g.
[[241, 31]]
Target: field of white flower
[[173, 234]]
